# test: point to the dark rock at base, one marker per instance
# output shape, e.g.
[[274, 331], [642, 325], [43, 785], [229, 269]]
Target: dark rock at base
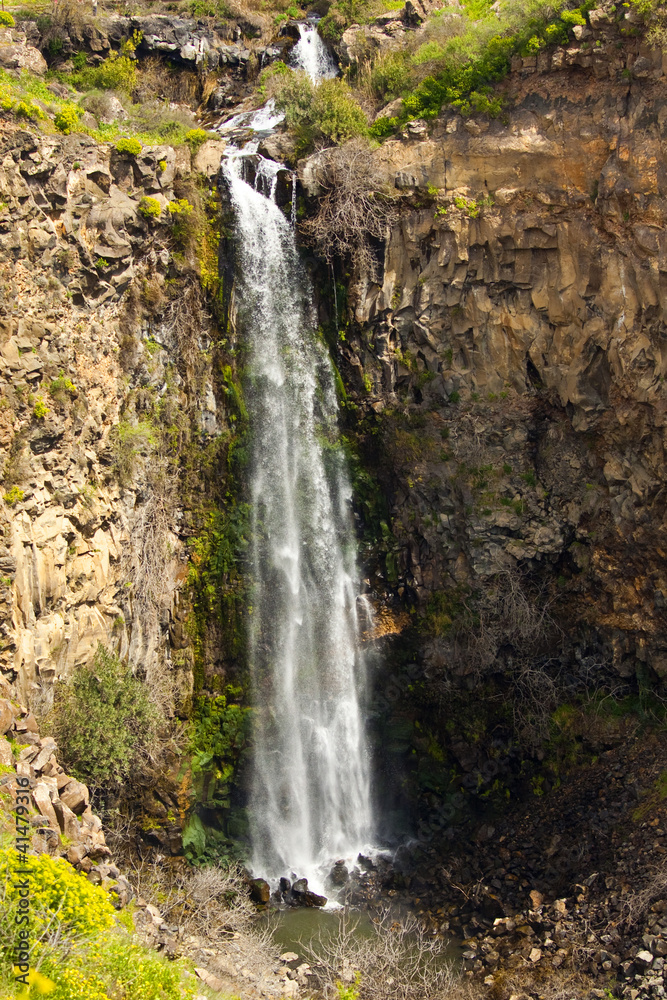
[[339, 874], [313, 899], [285, 885], [260, 890], [300, 886]]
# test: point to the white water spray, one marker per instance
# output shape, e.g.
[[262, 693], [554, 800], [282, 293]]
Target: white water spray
[[310, 800], [311, 55]]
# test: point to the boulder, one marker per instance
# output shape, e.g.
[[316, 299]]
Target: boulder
[[207, 160], [339, 874], [260, 890], [23, 57], [75, 796], [42, 799], [67, 821]]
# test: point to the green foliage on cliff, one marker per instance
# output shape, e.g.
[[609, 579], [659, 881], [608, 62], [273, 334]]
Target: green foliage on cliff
[[325, 113], [117, 72], [105, 723], [459, 56], [78, 949]]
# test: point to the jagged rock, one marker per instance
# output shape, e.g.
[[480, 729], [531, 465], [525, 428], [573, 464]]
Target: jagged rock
[[75, 796], [6, 716]]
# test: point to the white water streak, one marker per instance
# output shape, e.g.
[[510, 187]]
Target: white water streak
[[311, 55], [310, 801]]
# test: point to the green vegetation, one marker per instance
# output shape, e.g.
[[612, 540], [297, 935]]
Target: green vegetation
[[131, 146], [196, 137], [117, 72], [105, 723], [13, 496], [458, 57], [180, 207], [343, 13], [40, 409], [67, 119], [218, 738], [6, 19], [150, 208], [62, 388], [78, 946], [325, 113]]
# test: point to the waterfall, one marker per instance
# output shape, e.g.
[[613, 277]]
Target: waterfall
[[311, 55], [310, 798]]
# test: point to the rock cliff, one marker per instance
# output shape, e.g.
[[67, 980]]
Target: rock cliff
[[510, 367]]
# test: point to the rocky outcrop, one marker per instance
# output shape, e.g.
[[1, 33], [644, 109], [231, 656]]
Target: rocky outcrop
[[16, 52], [87, 330], [513, 353]]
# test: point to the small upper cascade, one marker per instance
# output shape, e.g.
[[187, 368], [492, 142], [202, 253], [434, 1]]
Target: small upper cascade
[[311, 55]]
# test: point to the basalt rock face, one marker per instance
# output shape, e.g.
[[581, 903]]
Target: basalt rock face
[[94, 518], [515, 356]]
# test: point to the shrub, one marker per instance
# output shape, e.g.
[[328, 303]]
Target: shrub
[[6, 19], [61, 388], [73, 931], [14, 496], [180, 207], [351, 211], [130, 146], [67, 119], [117, 72], [195, 138], [149, 207], [28, 109], [325, 113], [40, 409], [56, 888], [104, 722]]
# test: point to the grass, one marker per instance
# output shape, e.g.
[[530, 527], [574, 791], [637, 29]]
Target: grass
[[457, 57], [152, 125]]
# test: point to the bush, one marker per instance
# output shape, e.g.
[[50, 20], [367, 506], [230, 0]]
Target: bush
[[40, 409], [105, 723], [351, 211], [460, 55], [325, 113], [180, 207], [28, 109], [61, 388], [195, 138], [14, 496], [56, 888], [129, 145], [150, 208], [74, 930], [117, 72], [67, 119], [6, 19]]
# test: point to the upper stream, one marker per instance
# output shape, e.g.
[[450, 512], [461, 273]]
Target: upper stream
[[310, 798]]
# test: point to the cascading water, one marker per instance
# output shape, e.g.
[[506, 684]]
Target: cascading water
[[310, 800], [311, 55]]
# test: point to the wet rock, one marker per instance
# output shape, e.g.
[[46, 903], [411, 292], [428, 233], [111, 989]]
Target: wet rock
[[339, 874], [313, 899], [260, 890]]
